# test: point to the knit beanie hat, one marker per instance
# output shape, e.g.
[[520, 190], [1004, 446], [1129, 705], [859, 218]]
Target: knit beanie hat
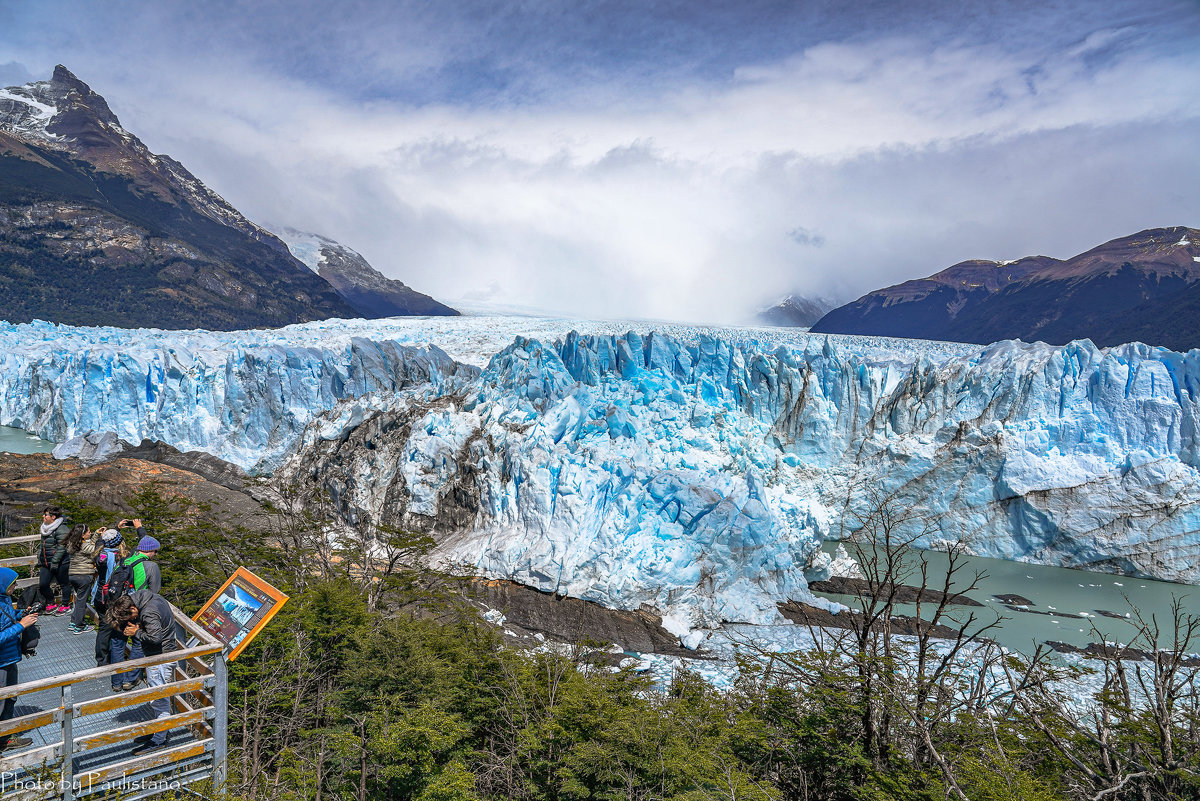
[[111, 537], [148, 543]]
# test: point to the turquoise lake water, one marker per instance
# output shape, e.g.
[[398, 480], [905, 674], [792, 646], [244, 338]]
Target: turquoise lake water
[[14, 440], [1061, 592]]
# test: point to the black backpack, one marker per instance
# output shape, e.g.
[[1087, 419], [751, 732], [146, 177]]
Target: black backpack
[[104, 572], [120, 582]]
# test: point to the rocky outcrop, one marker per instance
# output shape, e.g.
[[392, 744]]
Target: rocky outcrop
[[897, 593], [803, 614], [94, 447], [30, 481], [570, 620]]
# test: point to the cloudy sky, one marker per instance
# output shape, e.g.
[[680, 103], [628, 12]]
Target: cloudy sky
[[679, 159]]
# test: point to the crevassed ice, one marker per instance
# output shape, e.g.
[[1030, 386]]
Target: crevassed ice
[[692, 468], [243, 396], [699, 476]]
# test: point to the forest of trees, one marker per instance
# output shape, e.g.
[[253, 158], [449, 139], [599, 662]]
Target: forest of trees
[[377, 681]]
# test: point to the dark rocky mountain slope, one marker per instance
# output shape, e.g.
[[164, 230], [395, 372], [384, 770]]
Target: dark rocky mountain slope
[[1144, 287], [96, 229]]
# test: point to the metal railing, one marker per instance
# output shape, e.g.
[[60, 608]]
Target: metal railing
[[199, 699], [16, 562]]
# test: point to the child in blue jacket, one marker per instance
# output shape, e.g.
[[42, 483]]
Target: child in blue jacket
[[12, 626]]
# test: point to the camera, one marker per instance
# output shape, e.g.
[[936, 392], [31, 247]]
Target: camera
[[35, 608]]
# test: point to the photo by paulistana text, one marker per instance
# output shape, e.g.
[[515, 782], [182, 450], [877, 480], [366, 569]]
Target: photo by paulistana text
[[10, 781]]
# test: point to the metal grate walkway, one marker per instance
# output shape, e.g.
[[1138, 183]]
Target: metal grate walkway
[[83, 733], [61, 652]]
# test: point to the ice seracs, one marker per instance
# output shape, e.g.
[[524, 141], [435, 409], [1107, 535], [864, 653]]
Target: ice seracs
[[695, 471], [699, 477], [242, 396]]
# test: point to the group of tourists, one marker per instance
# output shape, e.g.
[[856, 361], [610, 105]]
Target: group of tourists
[[100, 569]]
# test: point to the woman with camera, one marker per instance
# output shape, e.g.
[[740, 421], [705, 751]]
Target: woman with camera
[[82, 546]]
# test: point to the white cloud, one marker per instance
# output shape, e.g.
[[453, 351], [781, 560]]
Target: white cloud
[[901, 155]]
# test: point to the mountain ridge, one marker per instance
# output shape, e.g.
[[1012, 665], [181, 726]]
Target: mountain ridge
[[369, 291], [1141, 287], [796, 310], [96, 229]]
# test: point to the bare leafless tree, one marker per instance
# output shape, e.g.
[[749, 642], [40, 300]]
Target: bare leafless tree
[[1140, 736]]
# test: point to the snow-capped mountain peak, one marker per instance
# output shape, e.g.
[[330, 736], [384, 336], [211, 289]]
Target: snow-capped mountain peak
[[96, 183], [795, 310], [366, 289], [313, 250], [84, 197], [65, 115]]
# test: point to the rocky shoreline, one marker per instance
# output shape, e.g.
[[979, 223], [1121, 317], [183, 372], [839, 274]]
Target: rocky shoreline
[[901, 593], [807, 615], [1109, 651]]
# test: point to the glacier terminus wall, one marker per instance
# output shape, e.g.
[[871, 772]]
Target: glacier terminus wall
[[243, 396], [701, 476], [695, 471]]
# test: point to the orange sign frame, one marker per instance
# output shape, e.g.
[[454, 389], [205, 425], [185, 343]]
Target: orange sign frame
[[239, 618]]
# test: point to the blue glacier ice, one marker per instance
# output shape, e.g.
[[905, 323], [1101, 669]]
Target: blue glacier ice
[[694, 471], [242, 396], [699, 477]]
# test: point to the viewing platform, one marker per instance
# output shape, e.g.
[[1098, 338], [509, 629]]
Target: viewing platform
[[83, 733]]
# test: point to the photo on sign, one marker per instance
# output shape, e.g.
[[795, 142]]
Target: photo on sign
[[239, 609], [239, 604]]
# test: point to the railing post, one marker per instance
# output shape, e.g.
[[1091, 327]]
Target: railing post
[[220, 720], [68, 746]]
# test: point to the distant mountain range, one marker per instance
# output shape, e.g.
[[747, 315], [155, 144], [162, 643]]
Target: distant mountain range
[[371, 293], [95, 229], [1144, 288], [796, 310]]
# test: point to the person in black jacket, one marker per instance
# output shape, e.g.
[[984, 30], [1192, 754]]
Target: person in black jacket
[[52, 560], [146, 617]]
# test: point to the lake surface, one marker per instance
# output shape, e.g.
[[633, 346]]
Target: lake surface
[[1061, 592], [14, 440]]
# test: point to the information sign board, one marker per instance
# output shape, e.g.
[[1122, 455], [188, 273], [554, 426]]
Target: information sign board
[[239, 610]]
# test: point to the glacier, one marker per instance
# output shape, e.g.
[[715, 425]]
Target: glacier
[[691, 470], [699, 477], [242, 396], [245, 396]]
